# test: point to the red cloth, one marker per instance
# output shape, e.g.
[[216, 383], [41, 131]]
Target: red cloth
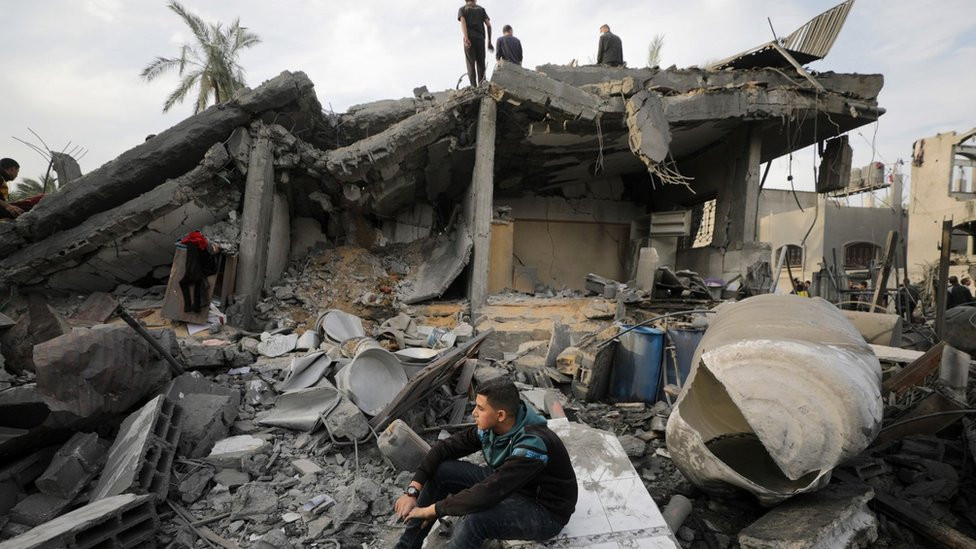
[[196, 238]]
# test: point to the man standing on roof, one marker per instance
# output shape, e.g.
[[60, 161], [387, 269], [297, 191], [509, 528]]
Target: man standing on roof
[[527, 491], [611, 50], [509, 48], [474, 20]]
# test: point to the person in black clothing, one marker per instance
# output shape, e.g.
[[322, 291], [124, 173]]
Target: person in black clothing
[[908, 299], [957, 295], [474, 20], [611, 50], [527, 491], [509, 48]]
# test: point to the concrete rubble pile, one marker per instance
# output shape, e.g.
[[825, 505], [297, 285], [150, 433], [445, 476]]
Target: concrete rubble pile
[[577, 229]]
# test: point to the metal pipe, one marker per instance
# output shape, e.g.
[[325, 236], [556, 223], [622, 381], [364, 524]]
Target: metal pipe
[[174, 364]]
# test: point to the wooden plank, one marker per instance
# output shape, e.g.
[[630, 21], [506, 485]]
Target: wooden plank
[[98, 308], [881, 284], [173, 301], [886, 353], [942, 283], [915, 373]]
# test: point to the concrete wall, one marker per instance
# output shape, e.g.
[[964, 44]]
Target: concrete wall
[[834, 227], [930, 201], [567, 239]]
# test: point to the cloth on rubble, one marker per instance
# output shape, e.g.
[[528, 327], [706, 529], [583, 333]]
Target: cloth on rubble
[[200, 264]]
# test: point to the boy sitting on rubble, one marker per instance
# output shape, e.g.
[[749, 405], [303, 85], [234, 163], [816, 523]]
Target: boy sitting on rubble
[[526, 492]]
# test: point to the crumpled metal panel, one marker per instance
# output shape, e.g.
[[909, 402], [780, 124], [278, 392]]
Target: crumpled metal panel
[[783, 388]]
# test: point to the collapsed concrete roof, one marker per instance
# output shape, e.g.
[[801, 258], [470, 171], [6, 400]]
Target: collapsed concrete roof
[[357, 171]]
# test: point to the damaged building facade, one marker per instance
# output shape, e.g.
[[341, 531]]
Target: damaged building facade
[[375, 267], [571, 170]]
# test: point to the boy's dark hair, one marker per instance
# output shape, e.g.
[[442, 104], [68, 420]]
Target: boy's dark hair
[[7, 163], [501, 395], [953, 280], [507, 28]]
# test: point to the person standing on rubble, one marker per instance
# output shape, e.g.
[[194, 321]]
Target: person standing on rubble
[[474, 20], [508, 48], [526, 492], [908, 298], [611, 49], [9, 169]]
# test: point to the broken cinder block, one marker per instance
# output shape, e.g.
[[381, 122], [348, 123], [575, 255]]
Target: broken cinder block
[[142, 454], [118, 522]]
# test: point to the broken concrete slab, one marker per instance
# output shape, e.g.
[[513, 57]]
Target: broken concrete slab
[[97, 371], [837, 516], [141, 233], [614, 508], [169, 154], [650, 134], [66, 167], [45, 322], [448, 258], [512, 83], [208, 412], [195, 484], [73, 466], [231, 478], [229, 451], [140, 459], [120, 522]]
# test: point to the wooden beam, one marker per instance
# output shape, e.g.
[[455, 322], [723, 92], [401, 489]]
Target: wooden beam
[[915, 373], [942, 283], [881, 283]]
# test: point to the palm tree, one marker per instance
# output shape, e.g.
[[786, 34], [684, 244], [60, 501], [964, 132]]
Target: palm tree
[[45, 184], [210, 63], [654, 51]]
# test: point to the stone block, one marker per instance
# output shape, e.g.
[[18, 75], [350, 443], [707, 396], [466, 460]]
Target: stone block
[[306, 467], [140, 459], [837, 516], [99, 371], [119, 522], [73, 466], [37, 509], [229, 451]]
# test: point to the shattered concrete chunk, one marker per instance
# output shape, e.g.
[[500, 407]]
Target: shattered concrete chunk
[[834, 517], [96, 371], [37, 509], [195, 484], [451, 254], [253, 499], [650, 133], [73, 466], [229, 451]]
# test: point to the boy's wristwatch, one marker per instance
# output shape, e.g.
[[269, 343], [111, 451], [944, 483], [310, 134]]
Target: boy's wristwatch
[[412, 491]]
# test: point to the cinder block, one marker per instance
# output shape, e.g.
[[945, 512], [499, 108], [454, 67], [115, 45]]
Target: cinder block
[[117, 522], [141, 457], [73, 467]]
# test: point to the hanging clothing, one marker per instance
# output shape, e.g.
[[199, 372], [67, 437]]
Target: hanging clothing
[[200, 264]]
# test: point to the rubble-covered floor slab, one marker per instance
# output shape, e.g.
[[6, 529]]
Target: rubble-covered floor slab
[[614, 509]]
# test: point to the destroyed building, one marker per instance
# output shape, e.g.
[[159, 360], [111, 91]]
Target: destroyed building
[[558, 226]]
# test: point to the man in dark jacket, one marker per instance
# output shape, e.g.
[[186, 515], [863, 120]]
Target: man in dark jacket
[[474, 19], [957, 295], [509, 48], [611, 50], [527, 491]]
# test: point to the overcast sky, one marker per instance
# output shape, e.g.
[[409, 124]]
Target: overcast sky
[[72, 66]]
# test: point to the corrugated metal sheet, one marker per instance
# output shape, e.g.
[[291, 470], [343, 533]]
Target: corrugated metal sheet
[[818, 35]]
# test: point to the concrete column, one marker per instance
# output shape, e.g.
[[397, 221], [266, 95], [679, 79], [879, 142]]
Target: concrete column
[[745, 190], [256, 219], [478, 203]]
